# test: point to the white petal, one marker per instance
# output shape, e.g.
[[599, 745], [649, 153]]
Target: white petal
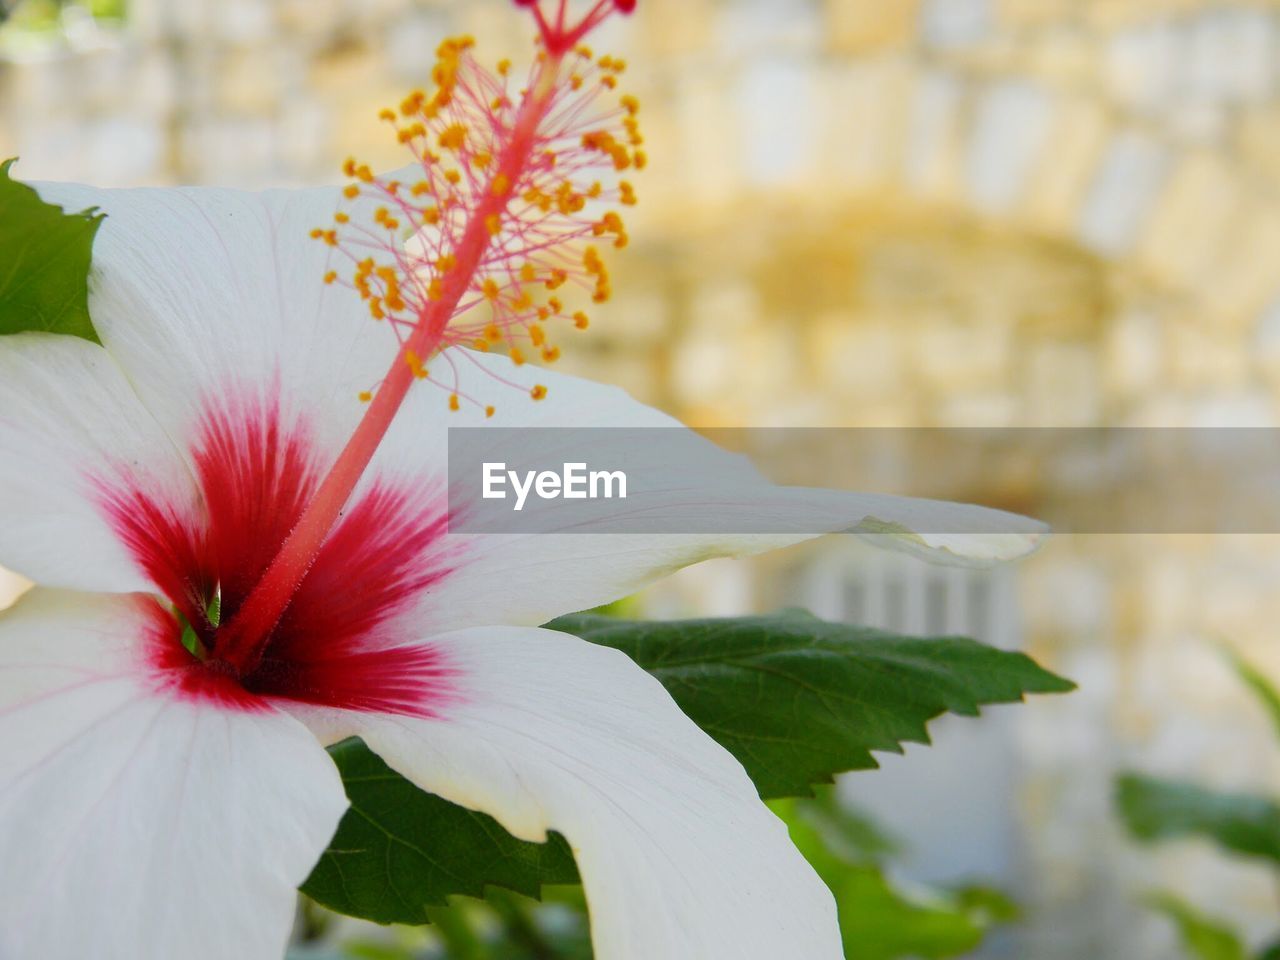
[[69, 422], [529, 578], [200, 291], [136, 825], [678, 855]]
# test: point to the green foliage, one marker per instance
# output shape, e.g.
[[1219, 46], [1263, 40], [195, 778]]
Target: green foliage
[[879, 921], [1262, 688], [1203, 938], [1156, 809], [797, 699], [400, 850], [1245, 825], [44, 263]]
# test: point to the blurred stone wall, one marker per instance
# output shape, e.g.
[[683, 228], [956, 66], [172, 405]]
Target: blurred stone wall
[[869, 213]]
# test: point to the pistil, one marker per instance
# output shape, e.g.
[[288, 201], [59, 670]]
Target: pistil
[[520, 205]]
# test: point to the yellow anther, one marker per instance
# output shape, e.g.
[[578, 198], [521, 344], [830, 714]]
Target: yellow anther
[[349, 166], [435, 289], [491, 289], [415, 364], [412, 103], [331, 276], [557, 279], [550, 354], [641, 159], [492, 333], [431, 216], [481, 345], [419, 188], [489, 411], [387, 114], [581, 320], [351, 192], [528, 273], [539, 392], [537, 336], [630, 104], [453, 176], [340, 217], [501, 184], [446, 263], [365, 396], [454, 404], [517, 357], [504, 67], [627, 194], [493, 223], [453, 137]]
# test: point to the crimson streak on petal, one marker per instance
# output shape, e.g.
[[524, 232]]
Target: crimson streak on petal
[[340, 642]]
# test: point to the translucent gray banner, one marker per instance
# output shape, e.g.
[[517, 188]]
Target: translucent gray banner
[[674, 480]]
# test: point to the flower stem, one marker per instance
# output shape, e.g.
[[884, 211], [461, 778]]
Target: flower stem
[[242, 641]]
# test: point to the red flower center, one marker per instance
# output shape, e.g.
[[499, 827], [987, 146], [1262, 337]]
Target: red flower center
[[341, 640]]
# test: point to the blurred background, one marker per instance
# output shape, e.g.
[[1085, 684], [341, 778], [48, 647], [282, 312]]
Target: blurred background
[[866, 213]]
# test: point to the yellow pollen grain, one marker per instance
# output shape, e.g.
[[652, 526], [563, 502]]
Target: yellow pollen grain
[[453, 137]]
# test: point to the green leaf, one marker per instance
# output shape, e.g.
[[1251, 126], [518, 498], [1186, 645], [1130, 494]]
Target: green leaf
[[1204, 938], [1156, 809], [1257, 681], [797, 699], [400, 850], [44, 263], [878, 921]]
